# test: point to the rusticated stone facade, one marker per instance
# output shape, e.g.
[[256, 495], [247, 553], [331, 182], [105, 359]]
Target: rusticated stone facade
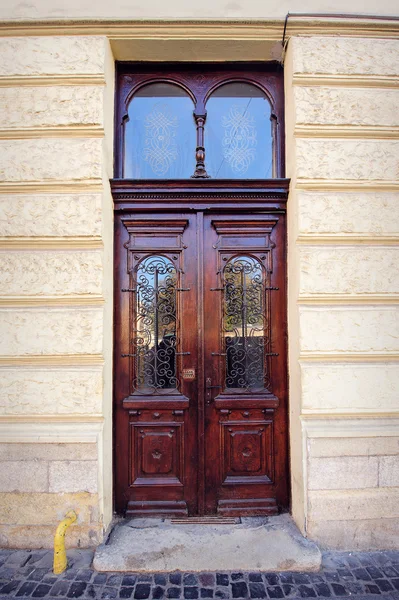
[[54, 288], [343, 158], [56, 273]]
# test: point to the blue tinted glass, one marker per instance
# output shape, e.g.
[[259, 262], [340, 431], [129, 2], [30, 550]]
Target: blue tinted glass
[[160, 135], [238, 133]]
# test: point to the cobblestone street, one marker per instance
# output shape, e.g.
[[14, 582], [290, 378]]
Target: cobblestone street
[[28, 574]]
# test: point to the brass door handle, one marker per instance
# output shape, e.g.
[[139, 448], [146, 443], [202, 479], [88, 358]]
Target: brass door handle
[[209, 387]]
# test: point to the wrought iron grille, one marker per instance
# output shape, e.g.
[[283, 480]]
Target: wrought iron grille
[[155, 327], [244, 324]]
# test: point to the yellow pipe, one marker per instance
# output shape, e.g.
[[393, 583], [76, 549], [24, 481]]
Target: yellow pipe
[[60, 559]]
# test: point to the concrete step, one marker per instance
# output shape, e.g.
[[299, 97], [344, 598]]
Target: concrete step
[[254, 544]]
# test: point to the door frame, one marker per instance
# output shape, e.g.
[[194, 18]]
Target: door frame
[[135, 197]]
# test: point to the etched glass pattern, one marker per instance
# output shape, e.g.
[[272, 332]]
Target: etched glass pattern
[[155, 339], [244, 323], [238, 133], [160, 134]]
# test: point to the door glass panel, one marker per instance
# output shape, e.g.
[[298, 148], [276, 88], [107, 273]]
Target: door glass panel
[[243, 322], [238, 133], [160, 134], [155, 330]]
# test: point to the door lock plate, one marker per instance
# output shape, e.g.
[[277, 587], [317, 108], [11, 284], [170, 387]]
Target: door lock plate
[[188, 374]]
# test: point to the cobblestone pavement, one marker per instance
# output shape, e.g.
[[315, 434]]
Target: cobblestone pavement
[[28, 574]]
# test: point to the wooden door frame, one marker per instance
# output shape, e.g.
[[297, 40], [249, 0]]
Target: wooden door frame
[[135, 197]]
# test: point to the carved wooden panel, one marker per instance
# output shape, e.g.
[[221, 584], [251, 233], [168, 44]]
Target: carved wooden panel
[[156, 453], [246, 452]]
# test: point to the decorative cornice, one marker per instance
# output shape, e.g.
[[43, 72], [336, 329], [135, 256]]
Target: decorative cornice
[[347, 240], [50, 80], [374, 81], [346, 131], [56, 429], [345, 299], [78, 131], [51, 360], [310, 413], [57, 301], [43, 419], [354, 357], [51, 243], [361, 425], [207, 29], [49, 187], [347, 185]]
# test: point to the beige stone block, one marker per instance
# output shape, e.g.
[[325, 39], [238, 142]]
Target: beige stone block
[[350, 387], [50, 159], [341, 329], [50, 215], [337, 505], [355, 446], [353, 472], [346, 106], [345, 55], [48, 451], [73, 476], [370, 534], [50, 331], [50, 272], [42, 536], [52, 55], [24, 476], [51, 106], [389, 471], [46, 509], [39, 391], [349, 270], [347, 159], [348, 212]]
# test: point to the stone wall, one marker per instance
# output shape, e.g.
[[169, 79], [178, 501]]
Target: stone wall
[[342, 147], [55, 284], [56, 273]]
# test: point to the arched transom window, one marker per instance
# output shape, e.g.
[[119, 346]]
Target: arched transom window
[[201, 123]]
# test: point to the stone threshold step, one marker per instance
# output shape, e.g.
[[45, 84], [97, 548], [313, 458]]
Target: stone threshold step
[[254, 544]]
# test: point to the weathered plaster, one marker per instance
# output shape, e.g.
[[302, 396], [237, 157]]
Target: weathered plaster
[[50, 391], [347, 159], [346, 106], [345, 56], [349, 329], [63, 55], [358, 270], [348, 212], [50, 159], [50, 215], [50, 331], [50, 273], [349, 388], [51, 106]]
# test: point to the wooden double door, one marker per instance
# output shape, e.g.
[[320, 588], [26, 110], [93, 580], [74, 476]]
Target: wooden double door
[[200, 361]]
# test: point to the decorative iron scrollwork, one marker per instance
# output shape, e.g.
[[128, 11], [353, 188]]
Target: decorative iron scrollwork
[[244, 323], [155, 340]]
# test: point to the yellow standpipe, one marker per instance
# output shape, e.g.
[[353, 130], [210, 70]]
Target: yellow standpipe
[[60, 559]]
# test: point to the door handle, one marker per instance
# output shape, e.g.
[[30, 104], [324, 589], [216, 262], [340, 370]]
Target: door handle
[[208, 388]]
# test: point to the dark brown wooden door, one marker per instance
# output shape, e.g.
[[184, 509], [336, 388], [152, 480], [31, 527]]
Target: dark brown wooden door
[[200, 362]]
